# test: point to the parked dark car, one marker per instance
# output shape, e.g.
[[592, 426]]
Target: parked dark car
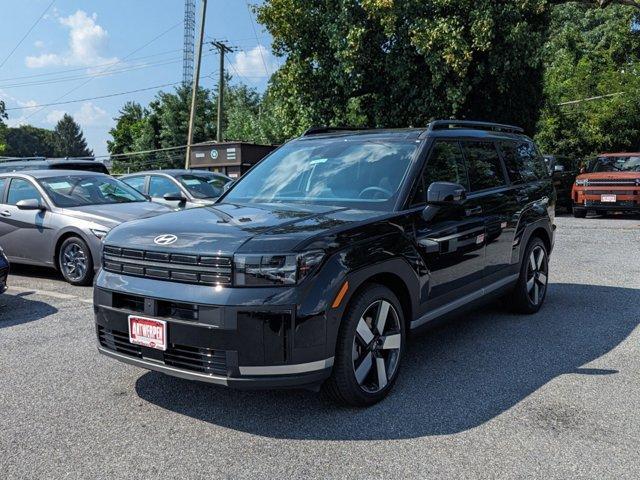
[[17, 165], [4, 271], [314, 268], [564, 171], [57, 218], [179, 189]]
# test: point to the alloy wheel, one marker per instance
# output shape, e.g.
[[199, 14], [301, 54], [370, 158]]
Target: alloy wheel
[[376, 346], [537, 275], [74, 262]]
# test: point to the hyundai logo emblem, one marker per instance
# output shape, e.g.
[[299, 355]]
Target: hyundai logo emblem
[[165, 239]]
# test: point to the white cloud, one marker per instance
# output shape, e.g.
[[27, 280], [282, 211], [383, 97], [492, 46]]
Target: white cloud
[[54, 116], [38, 44], [89, 114], [87, 40], [251, 64]]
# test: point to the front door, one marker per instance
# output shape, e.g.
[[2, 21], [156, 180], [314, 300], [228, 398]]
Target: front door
[[26, 234], [451, 240], [159, 186]]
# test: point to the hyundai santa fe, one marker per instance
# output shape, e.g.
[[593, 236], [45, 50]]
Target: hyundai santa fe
[[317, 265]]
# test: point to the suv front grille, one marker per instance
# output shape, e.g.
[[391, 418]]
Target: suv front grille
[[175, 267], [201, 360], [614, 182]]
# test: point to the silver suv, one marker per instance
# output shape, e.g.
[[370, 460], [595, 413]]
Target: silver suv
[[58, 218]]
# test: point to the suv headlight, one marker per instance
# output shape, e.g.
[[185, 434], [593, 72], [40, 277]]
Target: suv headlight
[[582, 183], [274, 269], [99, 232]]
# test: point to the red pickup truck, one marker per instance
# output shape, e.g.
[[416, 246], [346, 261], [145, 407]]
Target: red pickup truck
[[610, 183]]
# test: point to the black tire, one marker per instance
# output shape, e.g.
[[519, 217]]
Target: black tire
[[75, 262], [529, 293], [353, 354], [569, 208], [579, 212]]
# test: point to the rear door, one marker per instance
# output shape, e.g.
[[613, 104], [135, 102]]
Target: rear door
[[452, 241], [27, 233], [489, 186]]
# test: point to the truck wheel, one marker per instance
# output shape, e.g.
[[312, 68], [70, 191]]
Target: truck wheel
[[530, 291], [579, 212], [75, 262], [370, 345]]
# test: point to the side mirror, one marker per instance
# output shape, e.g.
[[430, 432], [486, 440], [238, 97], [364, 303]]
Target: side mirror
[[174, 197], [30, 204], [227, 186], [446, 194]]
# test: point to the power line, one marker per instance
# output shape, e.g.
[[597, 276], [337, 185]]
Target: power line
[[27, 34], [142, 152], [95, 98], [68, 70], [90, 76], [260, 47], [129, 55], [590, 99]]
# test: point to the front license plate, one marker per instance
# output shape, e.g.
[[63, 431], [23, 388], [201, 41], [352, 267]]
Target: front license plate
[[148, 332], [608, 198]]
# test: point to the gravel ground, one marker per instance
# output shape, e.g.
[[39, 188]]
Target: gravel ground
[[491, 395]]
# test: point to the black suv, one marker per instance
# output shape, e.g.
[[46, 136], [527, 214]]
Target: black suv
[[314, 268]]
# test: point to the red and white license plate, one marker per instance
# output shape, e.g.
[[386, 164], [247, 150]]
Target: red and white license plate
[[148, 332], [608, 198]]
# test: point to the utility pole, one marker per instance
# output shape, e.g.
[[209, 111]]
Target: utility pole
[[196, 79], [222, 49]]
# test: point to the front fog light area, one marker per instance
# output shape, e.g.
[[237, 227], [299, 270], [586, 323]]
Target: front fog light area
[[274, 270]]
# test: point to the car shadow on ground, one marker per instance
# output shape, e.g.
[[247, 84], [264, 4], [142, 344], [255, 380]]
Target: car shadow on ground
[[19, 309], [454, 378], [34, 271]]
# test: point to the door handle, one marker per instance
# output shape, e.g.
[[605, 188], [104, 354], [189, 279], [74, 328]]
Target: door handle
[[5, 213], [473, 211]]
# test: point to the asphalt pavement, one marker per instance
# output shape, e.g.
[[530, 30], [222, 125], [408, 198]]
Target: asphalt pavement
[[490, 395]]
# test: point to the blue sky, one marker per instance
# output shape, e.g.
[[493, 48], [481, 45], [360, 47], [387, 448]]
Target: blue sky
[[92, 48]]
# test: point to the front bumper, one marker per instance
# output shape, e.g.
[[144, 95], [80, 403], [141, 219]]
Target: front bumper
[[242, 338]]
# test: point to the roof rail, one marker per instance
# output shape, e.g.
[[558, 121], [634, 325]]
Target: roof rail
[[490, 126], [320, 130], [22, 159]]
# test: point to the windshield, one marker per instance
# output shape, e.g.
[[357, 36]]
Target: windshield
[[78, 190], [204, 185], [339, 171], [616, 164]]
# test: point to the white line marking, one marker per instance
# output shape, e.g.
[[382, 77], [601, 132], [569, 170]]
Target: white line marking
[[47, 293]]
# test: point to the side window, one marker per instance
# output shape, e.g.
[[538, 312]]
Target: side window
[[445, 164], [136, 182], [20, 189], [160, 186], [523, 162], [485, 167], [3, 182]]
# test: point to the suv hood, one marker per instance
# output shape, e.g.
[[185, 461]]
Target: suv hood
[[113, 214], [228, 228]]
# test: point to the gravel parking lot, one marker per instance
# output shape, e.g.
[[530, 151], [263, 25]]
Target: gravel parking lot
[[492, 395]]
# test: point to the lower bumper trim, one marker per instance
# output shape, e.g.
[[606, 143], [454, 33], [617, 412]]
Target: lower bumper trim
[[279, 376]]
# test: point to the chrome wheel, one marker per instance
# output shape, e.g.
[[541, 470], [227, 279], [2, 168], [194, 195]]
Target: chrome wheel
[[74, 262], [376, 346], [537, 275]]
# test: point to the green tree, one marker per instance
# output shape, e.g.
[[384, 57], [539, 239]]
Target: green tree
[[29, 141], [69, 139], [391, 63], [591, 53], [129, 119], [3, 128]]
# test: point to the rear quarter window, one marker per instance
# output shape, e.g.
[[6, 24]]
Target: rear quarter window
[[523, 161]]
